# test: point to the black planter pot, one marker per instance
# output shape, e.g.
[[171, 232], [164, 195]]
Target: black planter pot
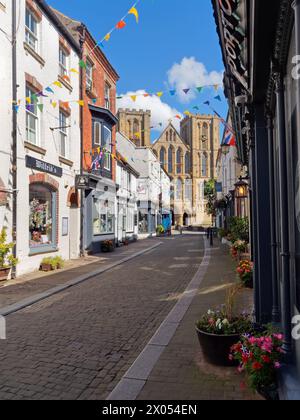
[[270, 393], [216, 348]]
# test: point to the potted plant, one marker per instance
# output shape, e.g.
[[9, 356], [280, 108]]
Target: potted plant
[[218, 330], [7, 260], [107, 246], [260, 358], [238, 248], [160, 230], [47, 264], [245, 272], [59, 262]]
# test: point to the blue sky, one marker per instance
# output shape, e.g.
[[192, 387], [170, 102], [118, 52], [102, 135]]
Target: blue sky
[[174, 45]]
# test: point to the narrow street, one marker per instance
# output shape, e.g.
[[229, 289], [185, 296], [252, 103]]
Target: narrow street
[[78, 344]]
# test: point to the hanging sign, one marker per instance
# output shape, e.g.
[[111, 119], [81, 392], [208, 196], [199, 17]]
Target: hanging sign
[[233, 38]]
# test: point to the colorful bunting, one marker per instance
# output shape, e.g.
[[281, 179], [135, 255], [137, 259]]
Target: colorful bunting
[[80, 102], [199, 89], [121, 24], [67, 78], [160, 94], [48, 89], [54, 104], [218, 98], [186, 91], [133, 97], [40, 107], [172, 92], [58, 84], [82, 64], [133, 11], [74, 70], [107, 37], [28, 100], [187, 113]]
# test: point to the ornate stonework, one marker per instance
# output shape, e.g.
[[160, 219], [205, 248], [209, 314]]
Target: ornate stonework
[[189, 158]]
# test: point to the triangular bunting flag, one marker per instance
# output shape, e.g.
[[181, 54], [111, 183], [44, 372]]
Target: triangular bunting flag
[[80, 102], [94, 100], [218, 98], [74, 71], [146, 95], [107, 37], [121, 24], [54, 104], [82, 64], [133, 97], [17, 107], [160, 94], [66, 77], [206, 103], [41, 107], [186, 91], [133, 11], [28, 100], [196, 107], [34, 98], [216, 87], [48, 89], [58, 84], [178, 117], [187, 113], [199, 89], [172, 92]]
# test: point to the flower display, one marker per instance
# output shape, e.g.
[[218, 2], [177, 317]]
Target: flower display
[[260, 358], [245, 272], [218, 322]]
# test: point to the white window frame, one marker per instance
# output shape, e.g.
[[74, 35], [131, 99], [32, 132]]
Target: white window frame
[[32, 114], [63, 67], [89, 76], [31, 36], [129, 220], [63, 134], [107, 95], [97, 124], [107, 146]]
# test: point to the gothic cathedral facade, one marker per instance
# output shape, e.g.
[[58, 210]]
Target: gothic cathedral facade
[[189, 158]]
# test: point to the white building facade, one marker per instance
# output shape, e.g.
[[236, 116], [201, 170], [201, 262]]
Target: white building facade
[[48, 135], [126, 201]]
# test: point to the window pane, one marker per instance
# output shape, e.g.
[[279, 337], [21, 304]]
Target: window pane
[[96, 217], [40, 216], [97, 133], [107, 146]]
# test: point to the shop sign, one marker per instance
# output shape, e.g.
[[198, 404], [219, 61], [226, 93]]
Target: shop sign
[[234, 38], [42, 166]]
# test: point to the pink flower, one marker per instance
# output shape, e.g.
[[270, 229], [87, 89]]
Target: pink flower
[[279, 336], [252, 340], [277, 365], [230, 357]]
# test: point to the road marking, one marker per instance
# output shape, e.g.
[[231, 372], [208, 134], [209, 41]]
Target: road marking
[[137, 375]]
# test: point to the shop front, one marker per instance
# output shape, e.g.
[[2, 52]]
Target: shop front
[[99, 216]]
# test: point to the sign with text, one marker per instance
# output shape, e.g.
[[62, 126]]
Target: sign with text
[[42, 166]]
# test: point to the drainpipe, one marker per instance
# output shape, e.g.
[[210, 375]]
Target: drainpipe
[[284, 215], [275, 309], [82, 192], [14, 133]]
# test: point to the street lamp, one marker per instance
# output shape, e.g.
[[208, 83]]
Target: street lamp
[[241, 195]]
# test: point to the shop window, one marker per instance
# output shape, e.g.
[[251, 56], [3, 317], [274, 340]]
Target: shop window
[[42, 218], [130, 220], [97, 133], [103, 217]]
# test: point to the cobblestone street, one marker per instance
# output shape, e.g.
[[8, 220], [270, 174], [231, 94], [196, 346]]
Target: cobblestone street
[[78, 344]]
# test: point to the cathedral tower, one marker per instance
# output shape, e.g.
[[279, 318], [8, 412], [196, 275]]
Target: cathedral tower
[[136, 126]]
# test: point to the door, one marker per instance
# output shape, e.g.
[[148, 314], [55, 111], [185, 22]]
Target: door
[[74, 232]]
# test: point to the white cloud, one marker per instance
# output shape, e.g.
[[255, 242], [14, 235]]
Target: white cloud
[[160, 111], [190, 73]]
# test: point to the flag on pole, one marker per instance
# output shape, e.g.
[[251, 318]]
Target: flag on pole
[[229, 138]]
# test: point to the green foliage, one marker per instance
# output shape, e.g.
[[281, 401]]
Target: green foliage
[[6, 257], [210, 188], [55, 262], [160, 230], [239, 229], [223, 233]]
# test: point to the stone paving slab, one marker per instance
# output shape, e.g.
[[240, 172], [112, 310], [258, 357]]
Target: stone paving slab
[[181, 372]]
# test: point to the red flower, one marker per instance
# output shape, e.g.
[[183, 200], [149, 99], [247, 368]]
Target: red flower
[[266, 359], [257, 366]]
